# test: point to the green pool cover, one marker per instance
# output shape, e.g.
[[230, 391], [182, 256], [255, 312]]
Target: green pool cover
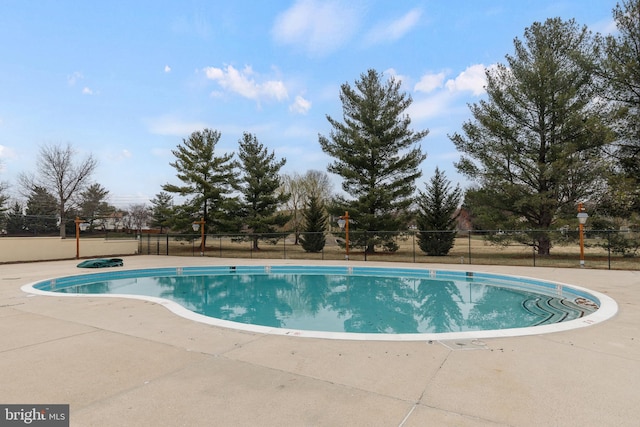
[[101, 262]]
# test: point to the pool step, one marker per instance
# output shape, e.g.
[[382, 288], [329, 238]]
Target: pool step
[[554, 310]]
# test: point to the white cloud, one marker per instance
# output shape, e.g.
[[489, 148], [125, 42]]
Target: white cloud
[[167, 69], [444, 97], [394, 30], [173, 126], [472, 79], [391, 72], [244, 83], [318, 27], [432, 106], [74, 78], [300, 105], [430, 82], [115, 155]]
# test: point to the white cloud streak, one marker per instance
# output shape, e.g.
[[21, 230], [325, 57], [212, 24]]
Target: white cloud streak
[[172, 126], [394, 30], [317, 27]]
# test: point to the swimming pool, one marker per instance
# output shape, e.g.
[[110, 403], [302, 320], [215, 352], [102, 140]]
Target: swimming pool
[[349, 301]]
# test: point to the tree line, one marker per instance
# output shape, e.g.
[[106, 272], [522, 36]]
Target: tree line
[[560, 124]]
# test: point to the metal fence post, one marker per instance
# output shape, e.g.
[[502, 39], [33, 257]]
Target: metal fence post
[[609, 247], [414, 246], [366, 245], [533, 247]]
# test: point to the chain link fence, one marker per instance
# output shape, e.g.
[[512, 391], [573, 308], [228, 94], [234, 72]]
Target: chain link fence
[[603, 249]]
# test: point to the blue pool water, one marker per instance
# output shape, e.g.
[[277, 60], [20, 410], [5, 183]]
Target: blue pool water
[[347, 299]]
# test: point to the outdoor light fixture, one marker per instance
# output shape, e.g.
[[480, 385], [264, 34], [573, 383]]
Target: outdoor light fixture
[[343, 223], [582, 220], [199, 225], [78, 221]]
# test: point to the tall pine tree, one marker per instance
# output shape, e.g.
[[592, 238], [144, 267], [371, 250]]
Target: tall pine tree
[[93, 205], [315, 217], [207, 182], [436, 220], [41, 211], [620, 72], [15, 219], [534, 146], [162, 211], [260, 183], [375, 153]]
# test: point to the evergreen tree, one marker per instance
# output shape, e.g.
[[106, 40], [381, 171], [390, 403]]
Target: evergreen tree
[[534, 147], [94, 206], [260, 184], [620, 72], [15, 219], [375, 154], [315, 217], [484, 217], [41, 212], [4, 197], [208, 183], [438, 207], [161, 211]]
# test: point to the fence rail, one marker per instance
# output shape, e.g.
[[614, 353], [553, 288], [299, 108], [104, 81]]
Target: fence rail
[[603, 249]]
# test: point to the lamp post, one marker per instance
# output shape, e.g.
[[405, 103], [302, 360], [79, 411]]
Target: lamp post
[[582, 220], [78, 221], [343, 223], [199, 225]]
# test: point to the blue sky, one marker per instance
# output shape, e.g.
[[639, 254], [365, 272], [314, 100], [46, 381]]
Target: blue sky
[[127, 80]]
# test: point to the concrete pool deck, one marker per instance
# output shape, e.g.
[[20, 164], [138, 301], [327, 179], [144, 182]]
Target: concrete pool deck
[[134, 363]]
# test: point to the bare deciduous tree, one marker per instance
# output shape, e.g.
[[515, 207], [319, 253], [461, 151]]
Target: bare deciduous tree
[[138, 216], [301, 188], [59, 174]]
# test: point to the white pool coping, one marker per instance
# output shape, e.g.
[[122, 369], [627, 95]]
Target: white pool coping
[[607, 309]]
